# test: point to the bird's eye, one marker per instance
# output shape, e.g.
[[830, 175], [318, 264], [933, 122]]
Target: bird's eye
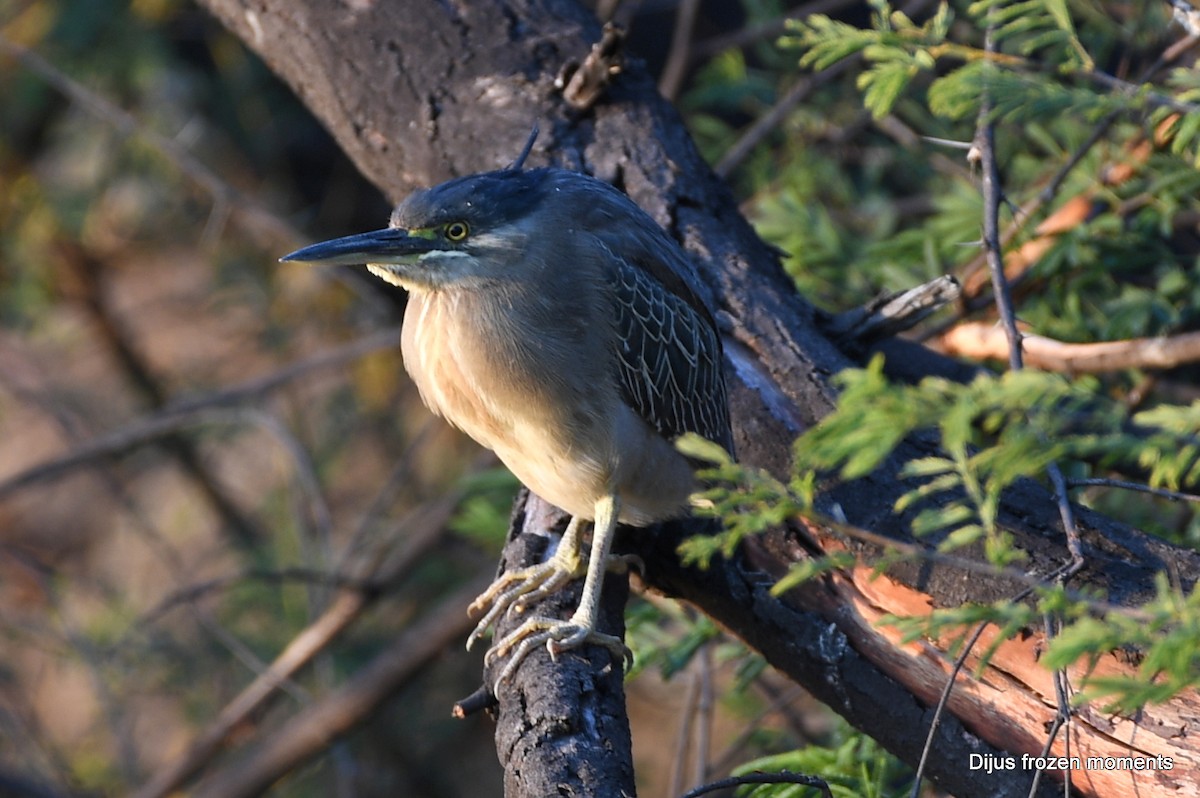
[[457, 231]]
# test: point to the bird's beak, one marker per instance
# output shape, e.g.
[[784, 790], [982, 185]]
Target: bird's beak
[[390, 245]]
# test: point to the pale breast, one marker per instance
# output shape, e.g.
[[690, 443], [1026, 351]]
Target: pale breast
[[571, 442]]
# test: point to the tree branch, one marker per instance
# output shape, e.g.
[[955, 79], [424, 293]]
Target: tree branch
[[981, 341]]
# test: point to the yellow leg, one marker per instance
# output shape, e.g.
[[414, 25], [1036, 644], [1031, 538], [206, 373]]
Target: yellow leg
[[561, 635], [603, 532]]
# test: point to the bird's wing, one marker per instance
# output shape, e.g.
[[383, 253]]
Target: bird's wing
[[669, 362]]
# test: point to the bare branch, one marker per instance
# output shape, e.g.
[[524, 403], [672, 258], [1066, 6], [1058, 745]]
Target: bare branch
[[891, 314], [987, 342], [315, 728]]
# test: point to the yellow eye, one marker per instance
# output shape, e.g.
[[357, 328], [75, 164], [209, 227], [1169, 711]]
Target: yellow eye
[[457, 231]]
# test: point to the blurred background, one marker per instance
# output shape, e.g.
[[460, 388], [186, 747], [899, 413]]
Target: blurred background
[[202, 450]]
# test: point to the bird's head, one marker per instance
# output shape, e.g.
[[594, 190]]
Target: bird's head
[[469, 230]]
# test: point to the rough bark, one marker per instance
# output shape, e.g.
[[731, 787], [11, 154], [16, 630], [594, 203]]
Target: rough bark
[[416, 92], [561, 726]]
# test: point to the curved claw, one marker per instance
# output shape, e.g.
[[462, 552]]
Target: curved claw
[[558, 636], [514, 591], [518, 590]]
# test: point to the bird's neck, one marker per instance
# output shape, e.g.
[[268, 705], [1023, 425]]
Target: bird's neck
[[513, 325]]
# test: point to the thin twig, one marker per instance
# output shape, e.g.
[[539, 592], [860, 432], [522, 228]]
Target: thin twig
[[920, 553], [683, 736], [778, 702], [173, 152], [677, 57], [302, 648], [985, 151], [782, 777], [227, 200], [425, 526], [1067, 513], [149, 534], [257, 387], [1162, 493], [1062, 717], [982, 341], [1004, 306], [187, 411], [1032, 207], [91, 273], [195, 592], [892, 313], [705, 706], [766, 123], [940, 708], [1153, 98], [482, 698], [1002, 294], [400, 476]]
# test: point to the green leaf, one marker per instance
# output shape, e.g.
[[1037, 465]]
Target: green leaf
[[884, 83], [697, 447], [808, 569]]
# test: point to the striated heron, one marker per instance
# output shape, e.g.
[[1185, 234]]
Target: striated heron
[[553, 321]]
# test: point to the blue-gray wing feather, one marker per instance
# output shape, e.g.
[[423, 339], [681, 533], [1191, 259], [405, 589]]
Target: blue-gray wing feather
[[670, 361]]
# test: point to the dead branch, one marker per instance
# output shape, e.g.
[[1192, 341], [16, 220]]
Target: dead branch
[[981, 341]]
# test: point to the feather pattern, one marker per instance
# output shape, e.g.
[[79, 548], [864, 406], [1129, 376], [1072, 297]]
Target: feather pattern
[[669, 359]]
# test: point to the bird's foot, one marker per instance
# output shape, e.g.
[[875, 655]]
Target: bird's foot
[[558, 636], [516, 590]]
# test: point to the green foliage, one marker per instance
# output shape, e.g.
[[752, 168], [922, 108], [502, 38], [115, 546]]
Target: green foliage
[[873, 417], [1170, 453], [1018, 97], [748, 501], [1047, 87], [1033, 26], [1166, 633], [666, 637], [1184, 87], [994, 431], [853, 765], [957, 624], [484, 512], [1113, 276], [896, 49]]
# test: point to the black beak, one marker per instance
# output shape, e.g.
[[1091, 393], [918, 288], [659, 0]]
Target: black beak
[[390, 245]]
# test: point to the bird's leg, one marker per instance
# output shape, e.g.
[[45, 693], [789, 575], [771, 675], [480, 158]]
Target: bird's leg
[[559, 635]]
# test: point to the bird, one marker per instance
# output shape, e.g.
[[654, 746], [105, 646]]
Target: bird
[[555, 322]]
